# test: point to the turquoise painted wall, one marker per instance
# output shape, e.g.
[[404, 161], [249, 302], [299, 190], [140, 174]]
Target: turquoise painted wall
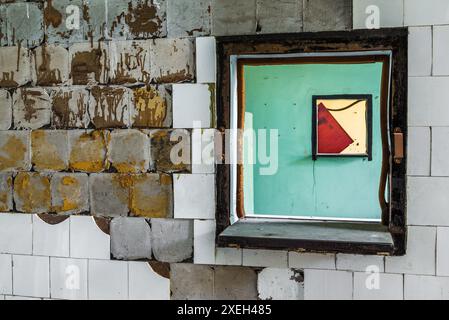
[[280, 97]]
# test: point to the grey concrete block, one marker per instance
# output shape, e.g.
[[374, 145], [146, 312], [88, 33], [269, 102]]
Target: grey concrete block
[[69, 107], [327, 15], [15, 150], [51, 65], [31, 108], [129, 151], [70, 193], [191, 282], [172, 240], [130, 239], [279, 16], [15, 66], [50, 150], [25, 24], [172, 60], [235, 283], [109, 194], [6, 203], [5, 110], [233, 17], [187, 18], [32, 192]]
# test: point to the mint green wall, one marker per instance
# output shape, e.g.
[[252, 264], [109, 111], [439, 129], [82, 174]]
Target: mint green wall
[[280, 97]]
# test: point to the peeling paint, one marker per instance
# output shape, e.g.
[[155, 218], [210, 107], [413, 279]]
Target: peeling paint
[[143, 20], [151, 108]]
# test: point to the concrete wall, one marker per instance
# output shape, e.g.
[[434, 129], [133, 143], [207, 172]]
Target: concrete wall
[[82, 134]]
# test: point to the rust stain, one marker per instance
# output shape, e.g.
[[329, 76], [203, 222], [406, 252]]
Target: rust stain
[[12, 154], [64, 116], [45, 154], [150, 196], [143, 20], [30, 98], [69, 190], [110, 107], [52, 17], [33, 190], [131, 62], [86, 64], [89, 152], [45, 74], [150, 106]]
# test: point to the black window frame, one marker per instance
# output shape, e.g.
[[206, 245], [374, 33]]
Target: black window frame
[[393, 213]]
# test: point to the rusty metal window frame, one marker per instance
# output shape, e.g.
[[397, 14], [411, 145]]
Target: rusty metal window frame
[[325, 44]]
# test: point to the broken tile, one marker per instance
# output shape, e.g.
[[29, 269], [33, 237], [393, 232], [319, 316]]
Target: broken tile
[[50, 239], [87, 240], [50, 150], [149, 281]]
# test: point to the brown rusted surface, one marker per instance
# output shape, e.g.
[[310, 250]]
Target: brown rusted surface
[[109, 107], [30, 99], [162, 147], [161, 268], [88, 151], [13, 154], [175, 77], [103, 224], [32, 192], [151, 108], [52, 17], [143, 20], [7, 80], [87, 66], [70, 109], [46, 154], [52, 219], [46, 75], [151, 196]]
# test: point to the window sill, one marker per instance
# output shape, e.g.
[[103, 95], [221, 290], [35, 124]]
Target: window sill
[[332, 237]]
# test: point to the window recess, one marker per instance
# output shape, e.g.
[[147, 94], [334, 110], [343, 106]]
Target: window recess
[[317, 150]]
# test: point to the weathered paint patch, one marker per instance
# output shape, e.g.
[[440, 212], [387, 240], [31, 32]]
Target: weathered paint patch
[[129, 151], [14, 67], [51, 65], [31, 108], [50, 151], [152, 107], [109, 107], [15, 150], [32, 193], [6, 203], [130, 62], [145, 19], [88, 150], [70, 108], [70, 193], [171, 156], [152, 196], [89, 63], [172, 60]]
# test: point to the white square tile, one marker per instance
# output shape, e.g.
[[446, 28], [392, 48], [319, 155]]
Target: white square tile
[[327, 285], [420, 51], [427, 201], [442, 252], [15, 233], [422, 13], [108, 280], [192, 104], [203, 151], [418, 160], [5, 274], [206, 60], [389, 13], [265, 258], [352, 262], [279, 284], [426, 288], [380, 286], [420, 257], [229, 257], [441, 50], [204, 241], [440, 152], [87, 240], [31, 276], [194, 196], [146, 284], [68, 278], [51, 240], [311, 260], [19, 298]]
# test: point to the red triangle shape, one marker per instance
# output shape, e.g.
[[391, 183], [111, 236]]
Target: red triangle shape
[[332, 138]]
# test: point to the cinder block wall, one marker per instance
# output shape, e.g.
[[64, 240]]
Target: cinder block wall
[[89, 96]]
